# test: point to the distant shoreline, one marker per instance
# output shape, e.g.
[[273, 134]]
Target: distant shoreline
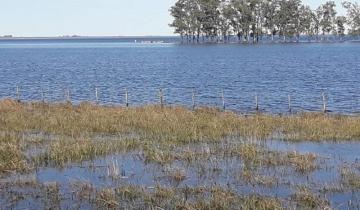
[[84, 37], [177, 39]]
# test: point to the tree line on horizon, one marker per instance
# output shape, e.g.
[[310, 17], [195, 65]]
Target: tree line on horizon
[[250, 20]]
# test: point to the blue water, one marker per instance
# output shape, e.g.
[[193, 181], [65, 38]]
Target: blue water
[[304, 71]]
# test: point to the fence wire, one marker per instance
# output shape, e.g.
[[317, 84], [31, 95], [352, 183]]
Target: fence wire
[[235, 100]]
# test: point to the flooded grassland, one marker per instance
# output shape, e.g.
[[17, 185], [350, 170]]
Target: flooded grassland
[[61, 156]]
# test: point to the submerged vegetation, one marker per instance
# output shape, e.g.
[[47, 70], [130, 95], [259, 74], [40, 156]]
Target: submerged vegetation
[[251, 20], [167, 158]]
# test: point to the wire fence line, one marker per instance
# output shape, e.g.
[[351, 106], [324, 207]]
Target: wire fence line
[[191, 97]]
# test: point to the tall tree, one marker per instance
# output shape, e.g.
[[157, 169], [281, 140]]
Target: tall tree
[[288, 18], [270, 10], [255, 17], [236, 17], [340, 25], [195, 19], [242, 18], [327, 15], [211, 17], [178, 11], [226, 13], [308, 21], [353, 17], [249, 20]]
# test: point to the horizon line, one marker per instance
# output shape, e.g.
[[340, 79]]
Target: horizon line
[[84, 36]]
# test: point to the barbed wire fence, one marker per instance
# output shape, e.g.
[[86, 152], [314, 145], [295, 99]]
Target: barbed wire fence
[[191, 97]]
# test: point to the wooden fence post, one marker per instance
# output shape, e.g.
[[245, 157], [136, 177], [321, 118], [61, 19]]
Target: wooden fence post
[[42, 95], [161, 98], [67, 95], [256, 102], [193, 100], [18, 93], [223, 100], [126, 98], [324, 102], [289, 99], [96, 95]]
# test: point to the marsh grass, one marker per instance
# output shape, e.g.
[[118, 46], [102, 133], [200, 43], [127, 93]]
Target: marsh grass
[[350, 177], [250, 176], [176, 141], [12, 158], [106, 198], [200, 198], [175, 174], [29, 189], [255, 156], [176, 124], [64, 151], [305, 199], [302, 162], [154, 154], [51, 195]]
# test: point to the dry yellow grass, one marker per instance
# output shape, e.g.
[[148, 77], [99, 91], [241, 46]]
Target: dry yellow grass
[[175, 124]]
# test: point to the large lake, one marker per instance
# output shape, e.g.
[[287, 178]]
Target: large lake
[[272, 72]]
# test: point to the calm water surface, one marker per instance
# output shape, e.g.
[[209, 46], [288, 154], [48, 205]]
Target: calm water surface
[[271, 71]]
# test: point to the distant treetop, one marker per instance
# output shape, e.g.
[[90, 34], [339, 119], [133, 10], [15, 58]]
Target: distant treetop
[[249, 20]]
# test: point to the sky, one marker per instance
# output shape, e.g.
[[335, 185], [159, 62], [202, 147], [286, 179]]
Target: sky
[[36, 18]]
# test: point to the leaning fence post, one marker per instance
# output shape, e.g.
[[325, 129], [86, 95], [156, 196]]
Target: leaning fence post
[[324, 102], [193, 99], [223, 99], [18, 93], [161, 98], [289, 99], [126, 98]]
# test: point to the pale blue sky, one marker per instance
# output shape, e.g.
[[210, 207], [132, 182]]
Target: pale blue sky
[[91, 17]]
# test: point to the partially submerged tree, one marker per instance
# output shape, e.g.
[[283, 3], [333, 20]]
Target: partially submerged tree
[[308, 22], [270, 11], [178, 11], [250, 20], [327, 15], [353, 17], [340, 25]]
